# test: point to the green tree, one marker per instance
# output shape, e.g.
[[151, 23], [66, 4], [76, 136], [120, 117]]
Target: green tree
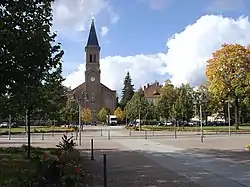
[[28, 51], [102, 115], [70, 111], [227, 72], [137, 107], [205, 98], [186, 101], [166, 100], [127, 91]]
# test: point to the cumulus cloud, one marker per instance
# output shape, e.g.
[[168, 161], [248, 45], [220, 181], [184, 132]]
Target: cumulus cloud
[[104, 30], [72, 16], [184, 61]]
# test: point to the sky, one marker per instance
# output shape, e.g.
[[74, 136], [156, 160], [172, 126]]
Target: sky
[[152, 39]]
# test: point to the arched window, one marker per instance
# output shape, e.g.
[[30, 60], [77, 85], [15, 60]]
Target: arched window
[[90, 58], [94, 58], [93, 98]]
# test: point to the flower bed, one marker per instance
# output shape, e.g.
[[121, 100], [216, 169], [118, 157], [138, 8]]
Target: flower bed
[[46, 167]]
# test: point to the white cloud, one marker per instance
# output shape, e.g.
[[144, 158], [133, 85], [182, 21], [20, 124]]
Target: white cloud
[[74, 15], [185, 60], [104, 30]]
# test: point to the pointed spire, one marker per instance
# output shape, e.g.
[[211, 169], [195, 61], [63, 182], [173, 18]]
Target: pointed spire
[[92, 40]]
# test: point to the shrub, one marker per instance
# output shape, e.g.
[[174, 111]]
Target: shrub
[[247, 147], [67, 144], [61, 169]]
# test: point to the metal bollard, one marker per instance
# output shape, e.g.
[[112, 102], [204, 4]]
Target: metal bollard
[[105, 181], [92, 149], [175, 133], [146, 135], [153, 132], [101, 132], [108, 134], [129, 132], [52, 133], [42, 135]]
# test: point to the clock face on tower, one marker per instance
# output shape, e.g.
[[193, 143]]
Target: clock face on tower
[[92, 79]]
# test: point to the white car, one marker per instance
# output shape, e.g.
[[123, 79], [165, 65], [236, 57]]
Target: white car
[[4, 124]]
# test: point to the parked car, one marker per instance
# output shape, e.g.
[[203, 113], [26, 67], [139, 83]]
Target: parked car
[[4, 125]]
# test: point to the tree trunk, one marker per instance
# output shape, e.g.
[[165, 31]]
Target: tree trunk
[[236, 113], [28, 133], [206, 119]]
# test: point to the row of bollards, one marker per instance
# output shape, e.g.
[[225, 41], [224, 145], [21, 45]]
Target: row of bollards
[[105, 182]]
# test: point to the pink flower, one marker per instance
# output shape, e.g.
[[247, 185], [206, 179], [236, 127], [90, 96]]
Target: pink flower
[[78, 170]]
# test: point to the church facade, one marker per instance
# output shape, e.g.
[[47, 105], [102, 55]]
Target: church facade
[[92, 93]]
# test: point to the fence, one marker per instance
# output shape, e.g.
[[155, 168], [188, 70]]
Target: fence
[[109, 134]]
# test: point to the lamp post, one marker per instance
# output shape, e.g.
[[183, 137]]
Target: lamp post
[[9, 125], [229, 118], [199, 98], [202, 136]]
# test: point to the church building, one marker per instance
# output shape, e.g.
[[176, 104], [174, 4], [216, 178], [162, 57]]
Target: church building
[[92, 93]]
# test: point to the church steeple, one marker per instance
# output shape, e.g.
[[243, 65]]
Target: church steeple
[[92, 40]]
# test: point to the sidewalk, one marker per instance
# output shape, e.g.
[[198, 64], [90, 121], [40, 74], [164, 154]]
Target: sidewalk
[[205, 170], [131, 168]]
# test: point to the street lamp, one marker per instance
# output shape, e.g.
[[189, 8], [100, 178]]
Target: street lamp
[[201, 127], [79, 101], [8, 97], [202, 135], [229, 118]]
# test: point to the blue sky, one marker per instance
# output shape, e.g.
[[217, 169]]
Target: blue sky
[[140, 27]]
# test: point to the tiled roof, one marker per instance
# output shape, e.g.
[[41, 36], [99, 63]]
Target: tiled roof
[[152, 91]]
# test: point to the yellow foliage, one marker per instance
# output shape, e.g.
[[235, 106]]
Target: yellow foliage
[[86, 115], [120, 114], [227, 70]]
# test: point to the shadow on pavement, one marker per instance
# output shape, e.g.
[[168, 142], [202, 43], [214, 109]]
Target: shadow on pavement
[[127, 168], [133, 169]]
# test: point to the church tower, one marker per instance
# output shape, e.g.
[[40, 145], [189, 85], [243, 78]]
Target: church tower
[[93, 72]]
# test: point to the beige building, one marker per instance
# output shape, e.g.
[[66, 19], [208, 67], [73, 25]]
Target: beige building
[[92, 93]]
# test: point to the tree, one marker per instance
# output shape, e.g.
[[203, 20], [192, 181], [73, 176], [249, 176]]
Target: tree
[[137, 107], [127, 91], [102, 115], [166, 100], [227, 73], [70, 112], [86, 115], [28, 51], [120, 115], [184, 103], [205, 98]]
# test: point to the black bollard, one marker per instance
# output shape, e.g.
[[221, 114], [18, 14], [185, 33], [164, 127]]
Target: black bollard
[[105, 182], [42, 135], [92, 149], [146, 136], [101, 132]]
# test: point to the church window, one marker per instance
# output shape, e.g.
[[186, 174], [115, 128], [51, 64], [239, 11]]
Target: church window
[[90, 58], [94, 57], [93, 98]]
